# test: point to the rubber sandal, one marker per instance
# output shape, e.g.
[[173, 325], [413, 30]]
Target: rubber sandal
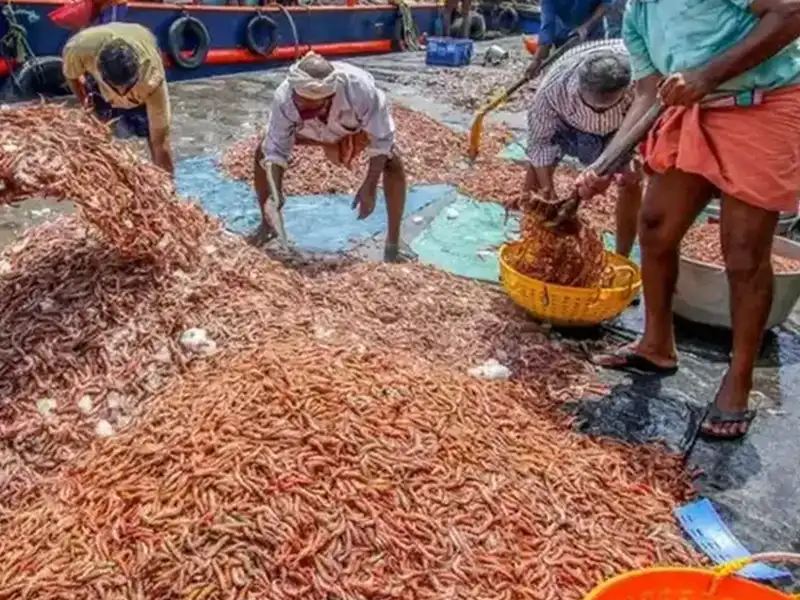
[[717, 416], [630, 361]]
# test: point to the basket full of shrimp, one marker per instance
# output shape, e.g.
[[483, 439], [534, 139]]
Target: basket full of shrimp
[[563, 274]]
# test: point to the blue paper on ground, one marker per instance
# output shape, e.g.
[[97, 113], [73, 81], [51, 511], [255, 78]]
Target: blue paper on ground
[[321, 223], [703, 524], [464, 237]]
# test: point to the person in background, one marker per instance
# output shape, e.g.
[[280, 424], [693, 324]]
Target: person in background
[[579, 105], [108, 11], [563, 18], [749, 151], [339, 107], [117, 71], [451, 12]]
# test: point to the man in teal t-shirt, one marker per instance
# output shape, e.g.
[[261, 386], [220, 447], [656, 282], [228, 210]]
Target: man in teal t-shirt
[[744, 145]]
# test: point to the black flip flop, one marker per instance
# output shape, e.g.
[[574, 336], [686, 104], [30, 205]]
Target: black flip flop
[[716, 416], [632, 362]]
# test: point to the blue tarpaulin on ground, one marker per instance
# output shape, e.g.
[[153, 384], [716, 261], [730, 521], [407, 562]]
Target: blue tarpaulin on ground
[[320, 223], [463, 239]]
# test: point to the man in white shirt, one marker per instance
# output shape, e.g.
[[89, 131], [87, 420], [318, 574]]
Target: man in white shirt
[[339, 107], [576, 110]]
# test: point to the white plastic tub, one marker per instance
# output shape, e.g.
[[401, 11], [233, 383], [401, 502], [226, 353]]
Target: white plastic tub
[[702, 291]]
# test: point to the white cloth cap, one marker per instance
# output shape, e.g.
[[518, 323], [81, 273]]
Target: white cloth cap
[[310, 87]]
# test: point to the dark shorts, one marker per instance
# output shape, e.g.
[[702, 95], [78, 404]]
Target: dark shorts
[[587, 147], [132, 121]]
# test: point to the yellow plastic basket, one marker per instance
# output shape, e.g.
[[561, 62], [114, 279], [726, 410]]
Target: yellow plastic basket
[[571, 306], [693, 583]]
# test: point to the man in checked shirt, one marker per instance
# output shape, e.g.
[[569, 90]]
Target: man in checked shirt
[[576, 110]]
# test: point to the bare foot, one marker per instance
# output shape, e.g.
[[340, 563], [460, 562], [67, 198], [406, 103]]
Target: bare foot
[[634, 357], [263, 235], [398, 253]]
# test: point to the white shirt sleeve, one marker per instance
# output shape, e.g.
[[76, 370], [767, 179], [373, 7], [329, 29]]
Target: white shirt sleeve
[[281, 132], [374, 112]]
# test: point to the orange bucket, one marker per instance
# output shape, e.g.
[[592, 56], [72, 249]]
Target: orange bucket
[[682, 583], [531, 43]]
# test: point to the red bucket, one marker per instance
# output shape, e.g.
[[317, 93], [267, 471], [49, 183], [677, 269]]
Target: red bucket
[[73, 15]]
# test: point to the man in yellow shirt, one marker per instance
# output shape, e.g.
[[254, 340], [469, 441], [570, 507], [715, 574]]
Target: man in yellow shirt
[[117, 71]]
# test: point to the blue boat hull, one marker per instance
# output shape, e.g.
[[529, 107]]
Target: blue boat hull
[[362, 29]]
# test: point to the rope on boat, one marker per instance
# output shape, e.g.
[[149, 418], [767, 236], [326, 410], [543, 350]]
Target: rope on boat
[[16, 38], [294, 29], [410, 34]]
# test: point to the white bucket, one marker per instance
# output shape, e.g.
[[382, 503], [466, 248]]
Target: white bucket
[[702, 295]]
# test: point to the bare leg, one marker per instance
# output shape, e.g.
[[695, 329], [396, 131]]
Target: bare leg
[[747, 234], [629, 202], [466, 8], [266, 230], [394, 189], [671, 204], [447, 16]]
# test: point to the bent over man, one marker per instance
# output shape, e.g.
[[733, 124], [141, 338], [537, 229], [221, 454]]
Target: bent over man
[[116, 70], [338, 107], [747, 149], [576, 110]]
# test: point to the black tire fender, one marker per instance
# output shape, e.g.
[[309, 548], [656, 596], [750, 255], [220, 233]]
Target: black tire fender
[[477, 26], [251, 37], [39, 76], [508, 20], [176, 36]]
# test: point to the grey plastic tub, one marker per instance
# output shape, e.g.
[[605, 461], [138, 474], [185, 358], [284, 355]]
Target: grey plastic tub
[[702, 291]]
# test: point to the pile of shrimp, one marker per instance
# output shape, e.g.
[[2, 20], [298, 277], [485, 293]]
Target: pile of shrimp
[[330, 438], [51, 151], [570, 255], [244, 429], [704, 243]]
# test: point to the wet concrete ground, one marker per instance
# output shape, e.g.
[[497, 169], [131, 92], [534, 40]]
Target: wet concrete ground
[[754, 483]]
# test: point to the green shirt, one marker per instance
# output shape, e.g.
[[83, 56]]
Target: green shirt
[[668, 36]]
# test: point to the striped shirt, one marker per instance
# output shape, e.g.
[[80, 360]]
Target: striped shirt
[[557, 103]]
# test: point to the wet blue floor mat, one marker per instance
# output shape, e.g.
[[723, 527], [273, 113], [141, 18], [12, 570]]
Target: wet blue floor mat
[[462, 238], [321, 223], [703, 524]]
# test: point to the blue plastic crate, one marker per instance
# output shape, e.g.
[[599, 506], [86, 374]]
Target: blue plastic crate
[[530, 22], [448, 52]]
